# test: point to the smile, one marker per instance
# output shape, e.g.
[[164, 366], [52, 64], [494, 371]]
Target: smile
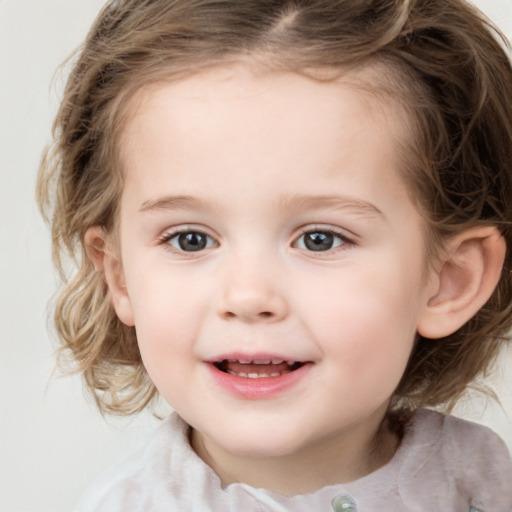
[[258, 368], [260, 378]]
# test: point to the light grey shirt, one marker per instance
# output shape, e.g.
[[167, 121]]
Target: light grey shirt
[[444, 464]]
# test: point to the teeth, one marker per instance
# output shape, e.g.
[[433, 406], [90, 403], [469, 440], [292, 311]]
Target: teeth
[[291, 365], [261, 361], [255, 375]]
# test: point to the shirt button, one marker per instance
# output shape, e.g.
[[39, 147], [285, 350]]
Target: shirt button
[[343, 503]]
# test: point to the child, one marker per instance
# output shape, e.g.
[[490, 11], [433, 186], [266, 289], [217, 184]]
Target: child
[[292, 218]]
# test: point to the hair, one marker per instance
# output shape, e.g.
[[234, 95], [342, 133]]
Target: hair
[[441, 60]]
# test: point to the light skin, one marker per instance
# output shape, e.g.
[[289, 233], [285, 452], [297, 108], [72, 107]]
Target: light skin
[[263, 216]]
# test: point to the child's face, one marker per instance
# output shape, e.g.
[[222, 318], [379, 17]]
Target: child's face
[[263, 218]]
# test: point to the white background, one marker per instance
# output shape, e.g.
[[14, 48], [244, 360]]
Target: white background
[[52, 440]]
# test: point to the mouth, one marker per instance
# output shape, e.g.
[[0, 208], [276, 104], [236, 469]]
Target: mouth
[[258, 377], [257, 368]]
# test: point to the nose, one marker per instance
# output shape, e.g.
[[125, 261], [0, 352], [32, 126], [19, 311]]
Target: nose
[[250, 294]]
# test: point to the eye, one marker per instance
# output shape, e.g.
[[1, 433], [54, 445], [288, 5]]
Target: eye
[[320, 240], [190, 241]]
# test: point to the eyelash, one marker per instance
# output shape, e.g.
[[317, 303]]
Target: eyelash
[[343, 240], [169, 236]]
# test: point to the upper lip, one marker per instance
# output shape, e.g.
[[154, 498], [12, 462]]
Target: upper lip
[[255, 358]]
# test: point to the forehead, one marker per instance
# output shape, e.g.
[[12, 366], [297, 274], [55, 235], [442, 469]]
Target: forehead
[[219, 99]]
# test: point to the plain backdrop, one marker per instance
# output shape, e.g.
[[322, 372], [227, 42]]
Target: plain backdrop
[[52, 440]]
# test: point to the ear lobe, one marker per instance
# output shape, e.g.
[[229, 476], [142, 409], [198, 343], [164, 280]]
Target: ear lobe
[[468, 275], [103, 256]]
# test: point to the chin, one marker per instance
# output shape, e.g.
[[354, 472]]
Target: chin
[[259, 445]]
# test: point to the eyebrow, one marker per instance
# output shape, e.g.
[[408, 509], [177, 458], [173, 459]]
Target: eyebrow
[[291, 203], [171, 202], [355, 205]]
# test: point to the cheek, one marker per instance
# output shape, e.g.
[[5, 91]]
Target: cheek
[[368, 321], [166, 329], [167, 314]]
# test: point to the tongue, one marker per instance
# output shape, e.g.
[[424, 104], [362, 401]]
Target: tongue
[[259, 369]]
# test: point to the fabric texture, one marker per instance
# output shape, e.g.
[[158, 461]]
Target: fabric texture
[[443, 464]]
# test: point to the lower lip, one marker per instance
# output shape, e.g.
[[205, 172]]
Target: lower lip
[[258, 389]]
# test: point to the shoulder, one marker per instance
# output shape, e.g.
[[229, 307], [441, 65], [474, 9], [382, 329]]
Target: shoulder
[[455, 434], [145, 476], [454, 459]]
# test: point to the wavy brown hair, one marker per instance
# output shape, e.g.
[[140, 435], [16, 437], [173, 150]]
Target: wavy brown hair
[[440, 61]]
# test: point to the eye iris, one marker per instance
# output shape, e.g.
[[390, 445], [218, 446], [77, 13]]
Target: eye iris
[[192, 241], [319, 241]]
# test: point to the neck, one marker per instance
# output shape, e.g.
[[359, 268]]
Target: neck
[[340, 458]]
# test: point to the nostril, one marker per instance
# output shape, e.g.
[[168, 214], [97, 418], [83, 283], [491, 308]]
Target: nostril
[[263, 315]]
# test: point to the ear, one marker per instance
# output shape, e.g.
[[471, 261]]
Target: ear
[[468, 275], [105, 260]]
